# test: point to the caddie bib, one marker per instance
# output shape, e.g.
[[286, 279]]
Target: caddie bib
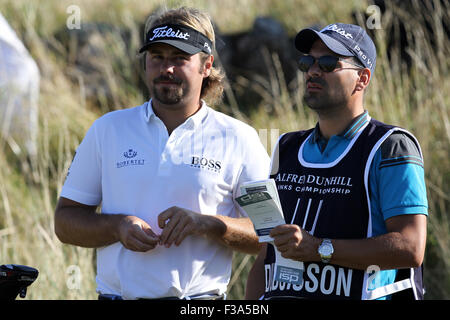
[[329, 200]]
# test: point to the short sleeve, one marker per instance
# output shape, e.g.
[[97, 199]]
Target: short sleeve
[[83, 181], [399, 182]]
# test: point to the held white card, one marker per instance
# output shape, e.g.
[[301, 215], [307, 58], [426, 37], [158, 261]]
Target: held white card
[[267, 185], [263, 211]]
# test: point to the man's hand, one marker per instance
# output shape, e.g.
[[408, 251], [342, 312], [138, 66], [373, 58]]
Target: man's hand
[[295, 243], [235, 233], [135, 234], [178, 223]]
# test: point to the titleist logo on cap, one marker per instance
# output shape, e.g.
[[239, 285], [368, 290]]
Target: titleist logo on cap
[[164, 32], [341, 31]]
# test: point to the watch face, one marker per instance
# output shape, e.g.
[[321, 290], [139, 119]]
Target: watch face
[[326, 250]]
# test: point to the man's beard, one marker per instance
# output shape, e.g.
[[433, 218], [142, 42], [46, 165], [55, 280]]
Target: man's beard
[[168, 95], [325, 100]]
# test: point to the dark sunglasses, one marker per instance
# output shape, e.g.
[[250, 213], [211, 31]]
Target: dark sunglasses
[[326, 63]]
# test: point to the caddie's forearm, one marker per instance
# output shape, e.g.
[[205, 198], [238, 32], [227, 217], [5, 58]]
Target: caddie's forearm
[[388, 251], [402, 247]]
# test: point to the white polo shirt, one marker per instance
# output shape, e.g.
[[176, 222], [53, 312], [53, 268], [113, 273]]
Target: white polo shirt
[[129, 164]]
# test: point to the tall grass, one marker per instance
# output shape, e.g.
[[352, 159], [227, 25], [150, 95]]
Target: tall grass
[[416, 100]]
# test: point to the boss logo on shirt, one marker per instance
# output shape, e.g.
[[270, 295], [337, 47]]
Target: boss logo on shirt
[[130, 160], [205, 163]]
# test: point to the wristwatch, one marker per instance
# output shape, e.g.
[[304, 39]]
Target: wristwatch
[[326, 250]]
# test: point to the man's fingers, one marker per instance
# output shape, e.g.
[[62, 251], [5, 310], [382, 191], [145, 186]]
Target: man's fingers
[[135, 234], [164, 216], [177, 230], [135, 244], [282, 240], [140, 240], [282, 229], [181, 224], [280, 233], [150, 232], [285, 236], [184, 232], [145, 235], [168, 229]]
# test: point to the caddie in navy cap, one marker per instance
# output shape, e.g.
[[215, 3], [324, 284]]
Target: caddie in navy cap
[[356, 198], [343, 39]]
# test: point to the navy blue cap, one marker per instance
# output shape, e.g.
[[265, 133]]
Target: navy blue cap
[[343, 39]]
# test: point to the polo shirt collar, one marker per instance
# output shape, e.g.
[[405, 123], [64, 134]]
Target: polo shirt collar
[[196, 119], [349, 132], [148, 111]]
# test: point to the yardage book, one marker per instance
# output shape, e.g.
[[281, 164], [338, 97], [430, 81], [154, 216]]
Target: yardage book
[[260, 201], [263, 212], [267, 185]]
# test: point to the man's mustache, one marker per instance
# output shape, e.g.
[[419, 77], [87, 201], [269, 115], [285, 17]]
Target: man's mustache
[[167, 79], [318, 81]]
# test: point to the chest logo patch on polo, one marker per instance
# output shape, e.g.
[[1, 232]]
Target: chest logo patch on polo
[[206, 164], [130, 154], [130, 159]]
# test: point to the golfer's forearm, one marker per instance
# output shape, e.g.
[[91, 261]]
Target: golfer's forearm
[[235, 233], [81, 227]]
